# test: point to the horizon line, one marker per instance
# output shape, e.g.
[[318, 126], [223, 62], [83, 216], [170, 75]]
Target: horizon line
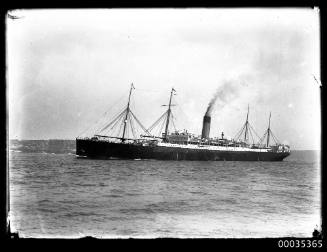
[[69, 139]]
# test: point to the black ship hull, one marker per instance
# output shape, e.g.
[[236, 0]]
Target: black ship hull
[[106, 150]]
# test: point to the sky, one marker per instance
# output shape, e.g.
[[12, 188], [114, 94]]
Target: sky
[[67, 69]]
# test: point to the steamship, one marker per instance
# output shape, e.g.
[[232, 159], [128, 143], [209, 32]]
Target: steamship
[[178, 145]]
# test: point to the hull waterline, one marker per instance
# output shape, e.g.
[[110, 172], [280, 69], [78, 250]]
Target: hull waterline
[[108, 150]]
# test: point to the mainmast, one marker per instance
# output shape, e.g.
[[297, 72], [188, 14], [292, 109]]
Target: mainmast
[[268, 131], [127, 112], [246, 125], [168, 113]]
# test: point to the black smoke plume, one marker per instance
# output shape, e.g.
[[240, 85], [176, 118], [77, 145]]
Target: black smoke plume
[[224, 94]]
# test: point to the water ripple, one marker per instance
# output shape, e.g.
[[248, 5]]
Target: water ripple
[[60, 194]]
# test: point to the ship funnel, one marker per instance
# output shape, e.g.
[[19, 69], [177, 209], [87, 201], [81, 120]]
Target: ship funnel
[[206, 126]]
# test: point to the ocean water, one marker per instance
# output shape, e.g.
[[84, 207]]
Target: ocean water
[[59, 195]]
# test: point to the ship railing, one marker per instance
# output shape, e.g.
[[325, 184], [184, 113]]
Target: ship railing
[[147, 136], [280, 148], [114, 139]]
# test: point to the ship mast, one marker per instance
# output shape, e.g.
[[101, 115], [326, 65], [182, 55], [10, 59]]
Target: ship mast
[[268, 131], [127, 111], [246, 125], [168, 114]]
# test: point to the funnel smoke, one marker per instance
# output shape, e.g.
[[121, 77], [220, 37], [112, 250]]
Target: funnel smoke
[[223, 94]]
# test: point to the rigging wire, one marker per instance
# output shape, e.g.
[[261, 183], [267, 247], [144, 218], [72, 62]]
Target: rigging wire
[[116, 118], [104, 123], [120, 128], [119, 118], [180, 108], [131, 125], [247, 127], [157, 121], [162, 126], [172, 120], [254, 131], [103, 115], [251, 136], [263, 138], [239, 133], [274, 137], [143, 128]]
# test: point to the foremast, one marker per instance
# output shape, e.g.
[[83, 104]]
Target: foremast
[[246, 126], [168, 114], [268, 131], [124, 122], [127, 112]]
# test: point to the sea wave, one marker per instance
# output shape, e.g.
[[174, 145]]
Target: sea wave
[[157, 198]]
